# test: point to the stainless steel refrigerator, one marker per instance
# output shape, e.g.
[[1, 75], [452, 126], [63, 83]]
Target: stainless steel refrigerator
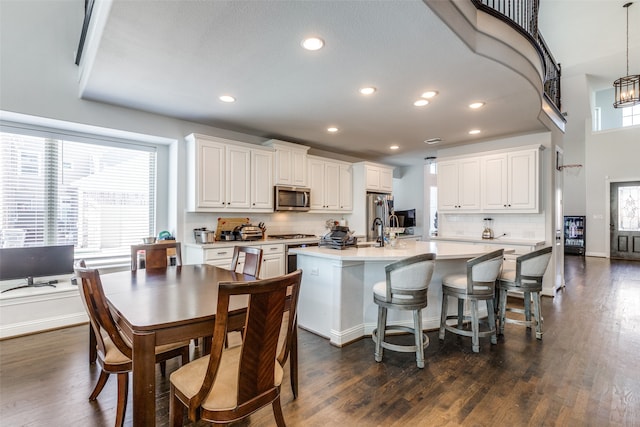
[[379, 205]]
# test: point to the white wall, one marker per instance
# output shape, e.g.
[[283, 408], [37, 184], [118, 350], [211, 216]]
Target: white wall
[[408, 193]]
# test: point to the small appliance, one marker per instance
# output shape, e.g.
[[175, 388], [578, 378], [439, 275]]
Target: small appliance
[[487, 233], [248, 232], [292, 198]]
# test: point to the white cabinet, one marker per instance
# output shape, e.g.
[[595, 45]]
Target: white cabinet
[[272, 261], [459, 185], [510, 182], [224, 175], [331, 185], [378, 178], [290, 163]]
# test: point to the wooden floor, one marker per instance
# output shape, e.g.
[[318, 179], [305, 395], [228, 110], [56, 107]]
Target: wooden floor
[[585, 372]]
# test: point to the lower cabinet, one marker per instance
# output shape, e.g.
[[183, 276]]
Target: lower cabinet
[[272, 257]]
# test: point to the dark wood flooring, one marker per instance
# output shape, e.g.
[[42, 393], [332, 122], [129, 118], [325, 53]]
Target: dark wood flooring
[[585, 371]]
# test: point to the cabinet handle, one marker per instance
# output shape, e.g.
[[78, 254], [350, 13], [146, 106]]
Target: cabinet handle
[[273, 249], [222, 253]]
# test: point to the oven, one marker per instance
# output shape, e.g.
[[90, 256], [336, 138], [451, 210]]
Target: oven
[[292, 262]]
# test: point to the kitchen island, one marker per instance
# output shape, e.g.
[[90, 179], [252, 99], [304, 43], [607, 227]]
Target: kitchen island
[[336, 296]]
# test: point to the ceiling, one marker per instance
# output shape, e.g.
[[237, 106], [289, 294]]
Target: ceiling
[[176, 58]]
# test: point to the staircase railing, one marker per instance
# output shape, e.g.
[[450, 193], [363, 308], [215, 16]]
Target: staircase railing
[[522, 15]]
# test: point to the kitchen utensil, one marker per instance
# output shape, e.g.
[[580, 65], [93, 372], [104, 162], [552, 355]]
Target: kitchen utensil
[[248, 232], [202, 235], [148, 240]]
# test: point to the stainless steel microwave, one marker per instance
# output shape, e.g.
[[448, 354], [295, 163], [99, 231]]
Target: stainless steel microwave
[[292, 198]]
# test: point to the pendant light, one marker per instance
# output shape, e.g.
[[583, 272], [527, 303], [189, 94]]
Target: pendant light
[[627, 89]]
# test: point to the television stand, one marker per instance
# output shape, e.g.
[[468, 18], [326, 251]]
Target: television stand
[[32, 284]]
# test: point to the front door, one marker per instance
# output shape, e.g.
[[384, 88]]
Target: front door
[[625, 220]]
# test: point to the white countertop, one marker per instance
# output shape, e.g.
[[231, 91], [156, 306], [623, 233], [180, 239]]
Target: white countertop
[[443, 250], [506, 240]]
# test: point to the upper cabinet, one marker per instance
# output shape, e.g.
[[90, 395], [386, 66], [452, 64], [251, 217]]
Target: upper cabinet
[[501, 181], [331, 185], [510, 181], [378, 178], [459, 185], [290, 163], [229, 176]]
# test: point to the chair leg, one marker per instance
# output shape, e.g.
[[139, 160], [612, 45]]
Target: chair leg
[[443, 316], [527, 308], [417, 330], [293, 360], [185, 356], [475, 327], [176, 409], [163, 368], [277, 412], [492, 320], [123, 392], [537, 314], [460, 312], [503, 310], [102, 380], [379, 333]]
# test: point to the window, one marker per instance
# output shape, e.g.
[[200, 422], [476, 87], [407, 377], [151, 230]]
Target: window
[[99, 196], [631, 116]]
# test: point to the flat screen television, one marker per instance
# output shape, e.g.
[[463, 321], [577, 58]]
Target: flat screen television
[[407, 218], [35, 261]]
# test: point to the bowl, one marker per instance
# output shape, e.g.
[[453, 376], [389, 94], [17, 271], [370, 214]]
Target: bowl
[[148, 240]]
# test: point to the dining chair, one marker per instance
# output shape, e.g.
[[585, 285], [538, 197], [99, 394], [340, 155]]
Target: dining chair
[[252, 260], [525, 277], [156, 255], [230, 384], [405, 288], [114, 349], [478, 284]]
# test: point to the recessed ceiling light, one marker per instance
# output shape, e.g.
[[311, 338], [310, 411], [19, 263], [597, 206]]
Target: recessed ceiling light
[[474, 131], [433, 141], [227, 98], [312, 43], [475, 105], [332, 129], [394, 147], [367, 90], [429, 94], [421, 103]]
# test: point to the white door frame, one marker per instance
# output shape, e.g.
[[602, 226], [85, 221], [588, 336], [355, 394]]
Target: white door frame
[[607, 211]]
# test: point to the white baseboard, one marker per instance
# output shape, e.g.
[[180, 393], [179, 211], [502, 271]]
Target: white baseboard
[[41, 325], [597, 254]]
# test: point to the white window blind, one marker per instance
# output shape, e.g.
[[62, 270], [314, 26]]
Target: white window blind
[[99, 197]]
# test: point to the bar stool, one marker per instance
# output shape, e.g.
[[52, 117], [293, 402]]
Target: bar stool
[[526, 277], [405, 288], [478, 284]]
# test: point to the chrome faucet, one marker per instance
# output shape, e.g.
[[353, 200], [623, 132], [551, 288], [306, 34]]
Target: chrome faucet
[[377, 221]]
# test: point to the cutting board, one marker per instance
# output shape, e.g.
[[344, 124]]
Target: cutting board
[[229, 224]]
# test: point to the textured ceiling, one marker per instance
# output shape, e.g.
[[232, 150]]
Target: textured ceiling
[[176, 57]]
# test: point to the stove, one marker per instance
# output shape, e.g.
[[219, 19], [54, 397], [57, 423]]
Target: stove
[[291, 236]]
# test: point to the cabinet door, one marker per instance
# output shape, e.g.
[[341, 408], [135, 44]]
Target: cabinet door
[[469, 185], [317, 184], [372, 178], [523, 180], [332, 186], [494, 182], [272, 266], [298, 168], [283, 171], [239, 183], [448, 186], [386, 179], [210, 177], [346, 188], [262, 180]]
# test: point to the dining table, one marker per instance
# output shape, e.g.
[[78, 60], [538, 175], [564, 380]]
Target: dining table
[[162, 306]]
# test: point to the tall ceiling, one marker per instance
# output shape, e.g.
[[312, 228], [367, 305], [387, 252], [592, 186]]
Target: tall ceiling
[[177, 57]]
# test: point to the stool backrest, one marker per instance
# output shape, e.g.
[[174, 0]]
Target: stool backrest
[[483, 271], [410, 277], [532, 266]]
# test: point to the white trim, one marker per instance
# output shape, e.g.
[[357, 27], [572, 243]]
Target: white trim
[[42, 325]]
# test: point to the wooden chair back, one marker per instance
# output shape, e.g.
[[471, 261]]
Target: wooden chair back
[[156, 254], [252, 260], [256, 379], [95, 302]]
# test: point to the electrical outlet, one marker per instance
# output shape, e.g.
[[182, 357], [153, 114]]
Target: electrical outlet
[[315, 271]]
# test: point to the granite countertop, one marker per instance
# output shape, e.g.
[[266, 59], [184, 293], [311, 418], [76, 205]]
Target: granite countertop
[[443, 251]]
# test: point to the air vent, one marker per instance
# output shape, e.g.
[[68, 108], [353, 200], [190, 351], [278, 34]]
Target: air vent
[[433, 140]]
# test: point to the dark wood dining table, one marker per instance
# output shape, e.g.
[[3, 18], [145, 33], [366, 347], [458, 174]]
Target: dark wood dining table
[[162, 306]]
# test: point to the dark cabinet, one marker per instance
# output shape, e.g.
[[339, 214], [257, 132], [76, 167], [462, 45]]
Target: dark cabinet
[[574, 235]]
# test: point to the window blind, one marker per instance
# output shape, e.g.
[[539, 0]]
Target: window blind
[[97, 196]]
